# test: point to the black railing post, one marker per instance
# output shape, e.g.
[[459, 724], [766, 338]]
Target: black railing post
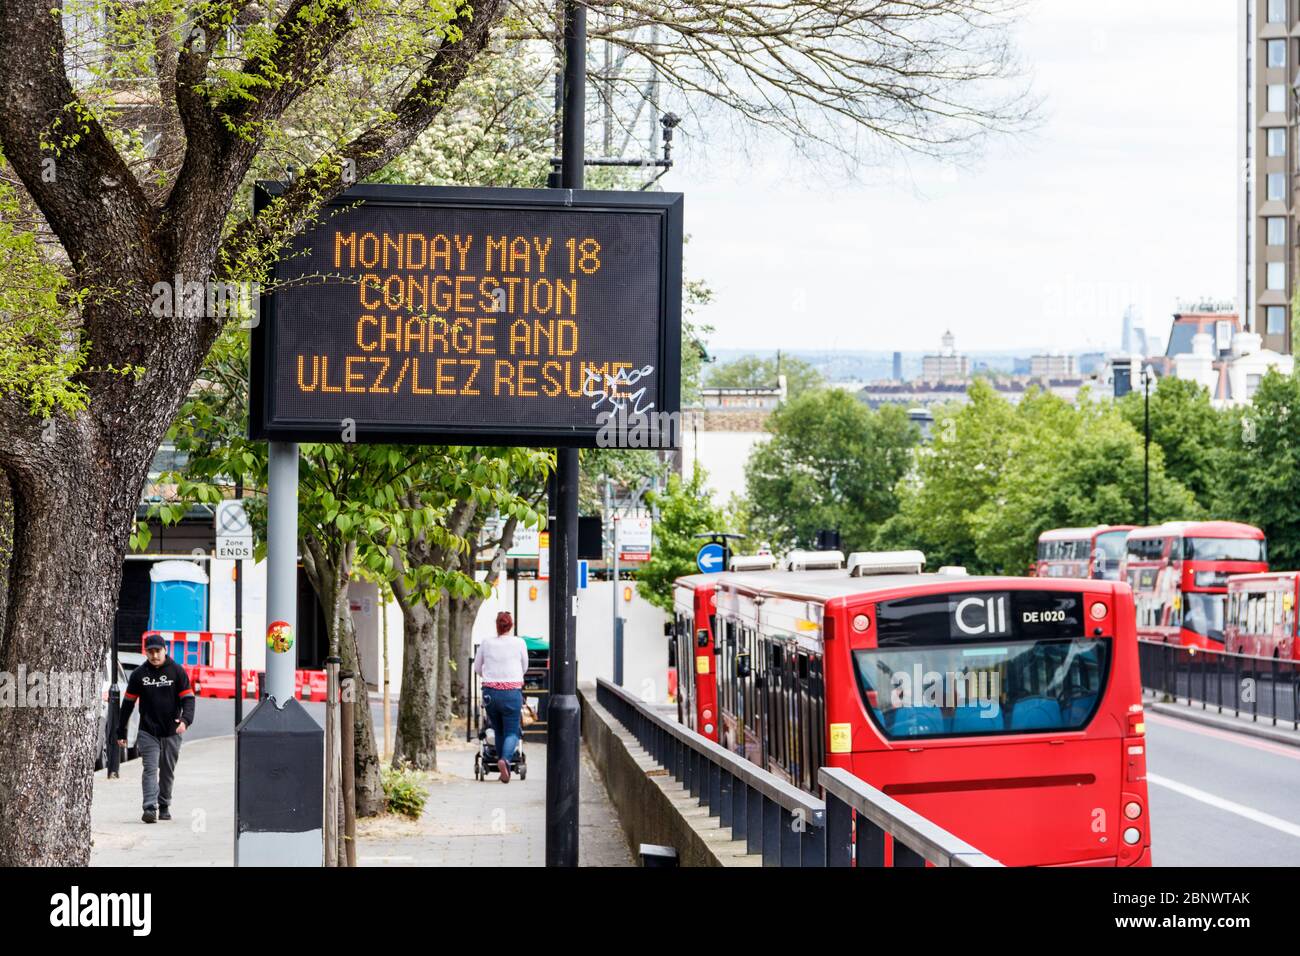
[[812, 844], [906, 856], [1272, 692], [726, 783], [771, 832], [869, 844], [715, 789], [754, 826], [839, 832], [739, 814]]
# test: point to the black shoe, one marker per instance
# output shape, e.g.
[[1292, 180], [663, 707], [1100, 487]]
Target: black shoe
[[164, 813], [150, 815]]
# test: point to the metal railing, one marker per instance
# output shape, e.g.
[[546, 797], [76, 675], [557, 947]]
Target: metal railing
[[778, 820], [858, 817], [1262, 688]]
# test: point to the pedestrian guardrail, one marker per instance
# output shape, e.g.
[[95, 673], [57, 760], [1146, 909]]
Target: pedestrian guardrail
[[1262, 688], [787, 826], [858, 816]]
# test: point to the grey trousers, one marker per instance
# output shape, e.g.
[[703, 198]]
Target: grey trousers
[[159, 756]]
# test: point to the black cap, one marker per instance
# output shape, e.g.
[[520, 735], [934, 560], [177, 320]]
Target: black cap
[[154, 640]]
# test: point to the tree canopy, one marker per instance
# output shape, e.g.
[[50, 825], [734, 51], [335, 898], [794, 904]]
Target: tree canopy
[[831, 463], [752, 371]]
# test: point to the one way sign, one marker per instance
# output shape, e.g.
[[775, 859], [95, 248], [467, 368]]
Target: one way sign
[[710, 558]]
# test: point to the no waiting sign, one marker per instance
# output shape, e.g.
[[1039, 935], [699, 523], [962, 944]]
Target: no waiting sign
[[471, 316]]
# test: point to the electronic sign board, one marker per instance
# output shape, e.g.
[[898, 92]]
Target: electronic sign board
[[456, 315]]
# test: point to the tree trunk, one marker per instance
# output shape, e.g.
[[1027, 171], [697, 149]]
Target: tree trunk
[[329, 570], [444, 659], [417, 740], [69, 538]]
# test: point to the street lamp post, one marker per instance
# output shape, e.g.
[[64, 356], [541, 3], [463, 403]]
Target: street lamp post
[[1146, 444]]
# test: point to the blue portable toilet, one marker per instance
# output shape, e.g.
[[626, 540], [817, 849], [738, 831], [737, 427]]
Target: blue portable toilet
[[178, 601]]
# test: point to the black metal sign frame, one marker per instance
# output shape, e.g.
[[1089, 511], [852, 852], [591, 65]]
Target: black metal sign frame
[[266, 424]]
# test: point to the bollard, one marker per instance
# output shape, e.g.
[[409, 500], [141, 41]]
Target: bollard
[[112, 752], [346, 733], [278, 753]]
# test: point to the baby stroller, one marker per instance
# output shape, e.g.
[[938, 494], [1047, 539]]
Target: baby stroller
[[485, 760]]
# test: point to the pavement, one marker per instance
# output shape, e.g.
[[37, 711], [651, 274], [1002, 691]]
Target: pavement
[[465, 822]]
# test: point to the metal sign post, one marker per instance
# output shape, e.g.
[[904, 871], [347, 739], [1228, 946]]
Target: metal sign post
[[563, 719]]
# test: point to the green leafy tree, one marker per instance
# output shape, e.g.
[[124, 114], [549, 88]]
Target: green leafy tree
[[1191, 433], [1262, 470], [751, 371], [685, 509], [996, 475], [831, 463]]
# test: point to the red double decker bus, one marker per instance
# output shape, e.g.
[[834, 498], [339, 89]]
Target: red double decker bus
[[1179, 575], [1082, 552], [1006, 710], [1261, 618]]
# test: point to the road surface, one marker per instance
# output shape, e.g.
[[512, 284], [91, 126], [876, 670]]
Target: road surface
[[1220, 798]]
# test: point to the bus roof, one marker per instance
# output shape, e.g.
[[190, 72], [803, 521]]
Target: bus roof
[[1262, 576], [1198, 529], [827, 585], [1075, 534]]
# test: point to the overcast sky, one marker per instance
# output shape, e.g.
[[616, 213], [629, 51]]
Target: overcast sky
[[1124, 194]]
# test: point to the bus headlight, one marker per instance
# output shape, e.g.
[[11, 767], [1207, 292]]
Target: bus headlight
[[708, 728], [1132, 835], [708, 714], [1098, 611], [1132, 809]]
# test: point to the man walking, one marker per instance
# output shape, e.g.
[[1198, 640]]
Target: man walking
[[166, 711]]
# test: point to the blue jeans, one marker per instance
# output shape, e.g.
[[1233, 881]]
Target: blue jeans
[[503, 710]]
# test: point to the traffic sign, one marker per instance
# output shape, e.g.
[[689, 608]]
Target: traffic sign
[[710, 558], [634, 537], [234, 533]]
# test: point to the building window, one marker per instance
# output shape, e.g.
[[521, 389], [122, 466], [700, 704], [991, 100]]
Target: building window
[[1276, 54], [1276, 320], [1277, 11], [1277, 142], [1276, 230], [1277, 98], [1277, 276], [1277, 186]]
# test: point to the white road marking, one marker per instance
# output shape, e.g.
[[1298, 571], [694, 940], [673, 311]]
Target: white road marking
[[1241, 810]]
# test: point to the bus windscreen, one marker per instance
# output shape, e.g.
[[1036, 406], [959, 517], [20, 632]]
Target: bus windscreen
[[1003, 662], [1013, 687], [1224, 549]]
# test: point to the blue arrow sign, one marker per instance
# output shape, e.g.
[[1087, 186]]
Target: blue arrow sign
[[710, 558]]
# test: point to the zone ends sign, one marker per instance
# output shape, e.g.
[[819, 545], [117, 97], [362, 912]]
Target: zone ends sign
[[447, 315]]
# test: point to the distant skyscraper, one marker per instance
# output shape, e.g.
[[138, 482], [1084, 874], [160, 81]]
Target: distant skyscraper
[[898, 366], [1267, 186]]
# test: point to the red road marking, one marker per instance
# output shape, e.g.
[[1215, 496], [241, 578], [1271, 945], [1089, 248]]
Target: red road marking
[[1245, 740]]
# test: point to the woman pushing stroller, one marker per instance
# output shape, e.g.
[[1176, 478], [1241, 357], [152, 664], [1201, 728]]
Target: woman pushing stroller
[[500, 663]]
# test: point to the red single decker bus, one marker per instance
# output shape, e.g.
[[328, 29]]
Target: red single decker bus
[[1007, 710], [1179, 574], [1082, 552], [1262, 615]]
